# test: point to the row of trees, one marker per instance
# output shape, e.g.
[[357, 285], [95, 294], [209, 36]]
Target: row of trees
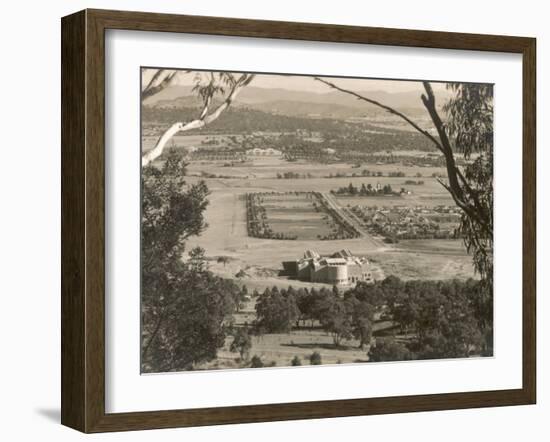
[[257, 223], [367, 190], [369, 173], [218, 155], [341, 227], [390, 158], [293, 175]]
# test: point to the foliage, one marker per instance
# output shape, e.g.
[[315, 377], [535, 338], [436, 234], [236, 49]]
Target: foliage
[[441, 319], [315, 358], [185, 308], [242, 343], [256, 362], [170, 214], [241, 298], [356, 141], [436, 319], [388, 349], [223, 260], [361, 320], [444, 317], [276, 312], [296, 361], [183, 318], [366, 190], [470, 127], [207, 86], [333, 314]]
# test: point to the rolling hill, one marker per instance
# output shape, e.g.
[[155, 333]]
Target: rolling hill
[[296, 103]]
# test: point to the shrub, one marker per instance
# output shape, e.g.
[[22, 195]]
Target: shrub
[[388, 349], [315, 358], [256, 362]]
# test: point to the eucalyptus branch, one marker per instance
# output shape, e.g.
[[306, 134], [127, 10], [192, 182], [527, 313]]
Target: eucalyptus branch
[[160, 80], [204, 118], [386, 108]]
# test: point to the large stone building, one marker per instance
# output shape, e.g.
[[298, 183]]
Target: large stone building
[[341, 268]]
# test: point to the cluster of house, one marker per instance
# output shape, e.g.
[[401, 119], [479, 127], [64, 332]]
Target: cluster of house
[[404, 222], [341, 268]]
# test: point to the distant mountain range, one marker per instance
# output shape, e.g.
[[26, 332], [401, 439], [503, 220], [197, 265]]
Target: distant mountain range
[[298, 103]]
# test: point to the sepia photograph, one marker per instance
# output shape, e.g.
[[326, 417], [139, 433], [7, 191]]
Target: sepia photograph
[[299, 220]]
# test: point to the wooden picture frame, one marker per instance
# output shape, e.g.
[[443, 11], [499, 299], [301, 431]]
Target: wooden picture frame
[[83, 220]]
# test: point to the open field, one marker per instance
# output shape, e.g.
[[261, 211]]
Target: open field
[[261, 259], [416, 264], [431, 191], [269, 167], [295, 216], [280, 349]]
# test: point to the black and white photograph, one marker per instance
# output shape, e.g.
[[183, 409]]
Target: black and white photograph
[[291, 220]]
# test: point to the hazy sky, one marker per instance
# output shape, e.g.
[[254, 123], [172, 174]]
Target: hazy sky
[[306, 83]]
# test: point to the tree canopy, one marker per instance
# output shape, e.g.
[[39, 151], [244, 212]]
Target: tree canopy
[[185, 308]]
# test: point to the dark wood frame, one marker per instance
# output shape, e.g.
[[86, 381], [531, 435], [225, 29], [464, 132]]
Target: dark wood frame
[[83, 216]]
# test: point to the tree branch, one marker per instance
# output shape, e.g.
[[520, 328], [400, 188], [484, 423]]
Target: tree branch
[[203, 120], [459, 187], [152, 336], [446, 149], [161, 80], [205, 108], [462, 193], [443, 144], [386, 108]]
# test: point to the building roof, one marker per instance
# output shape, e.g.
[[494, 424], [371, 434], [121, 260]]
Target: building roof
[[344, 253], [311, 254], [335, 261], [341, 258]]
